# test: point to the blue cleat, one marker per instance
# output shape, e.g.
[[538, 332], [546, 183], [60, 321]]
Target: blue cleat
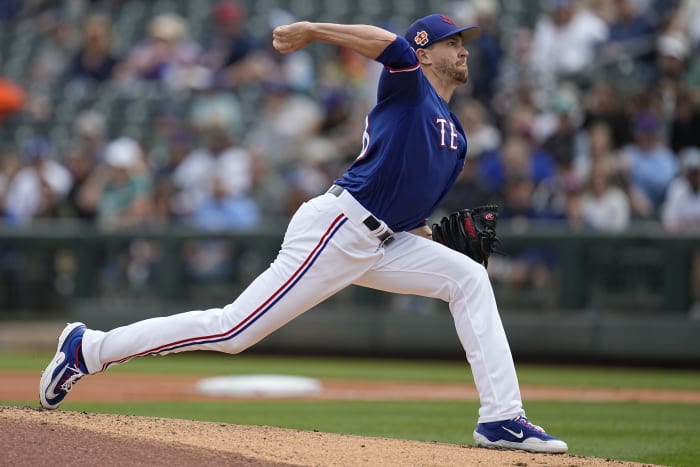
[[518, 433], [65, 368]]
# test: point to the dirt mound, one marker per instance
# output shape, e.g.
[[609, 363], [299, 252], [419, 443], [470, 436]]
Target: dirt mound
[[37, 437]]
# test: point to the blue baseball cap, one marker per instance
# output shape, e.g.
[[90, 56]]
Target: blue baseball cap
[[433, 28]]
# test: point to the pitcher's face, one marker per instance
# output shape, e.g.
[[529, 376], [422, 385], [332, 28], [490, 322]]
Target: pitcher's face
[[450, 58]]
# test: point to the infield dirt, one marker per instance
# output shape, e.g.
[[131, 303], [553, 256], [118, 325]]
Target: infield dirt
[[32, 437]]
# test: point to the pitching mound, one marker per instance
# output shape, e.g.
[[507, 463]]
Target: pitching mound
[[34, 437]]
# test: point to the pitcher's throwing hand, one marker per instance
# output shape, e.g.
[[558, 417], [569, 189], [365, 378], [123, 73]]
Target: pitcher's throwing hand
[[291, 37]]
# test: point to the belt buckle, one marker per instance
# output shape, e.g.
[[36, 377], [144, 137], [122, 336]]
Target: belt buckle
[[386, 238]]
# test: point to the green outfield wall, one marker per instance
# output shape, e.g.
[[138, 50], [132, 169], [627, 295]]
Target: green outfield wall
[[563, 295]]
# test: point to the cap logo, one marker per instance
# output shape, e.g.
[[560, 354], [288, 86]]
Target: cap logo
[[447, 20], [421, 38]]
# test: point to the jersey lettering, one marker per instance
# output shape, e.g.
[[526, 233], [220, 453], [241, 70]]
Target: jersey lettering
[[365, 140], [453, 137]]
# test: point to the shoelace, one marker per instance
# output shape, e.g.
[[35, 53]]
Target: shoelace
[[524, 421], [72, 375]]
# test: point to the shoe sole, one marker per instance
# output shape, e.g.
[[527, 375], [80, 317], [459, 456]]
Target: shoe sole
[[55, 361], [529, 445]]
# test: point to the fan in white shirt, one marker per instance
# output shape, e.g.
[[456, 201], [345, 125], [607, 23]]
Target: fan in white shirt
[[37, 187], [681, 209]]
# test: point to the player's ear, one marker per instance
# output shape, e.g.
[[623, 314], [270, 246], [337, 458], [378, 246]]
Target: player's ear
[[423, 56]]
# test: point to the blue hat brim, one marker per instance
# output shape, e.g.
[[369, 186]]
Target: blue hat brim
[[468, 34]]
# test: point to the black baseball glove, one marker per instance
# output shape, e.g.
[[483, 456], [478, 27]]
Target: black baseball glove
[[470, 231]]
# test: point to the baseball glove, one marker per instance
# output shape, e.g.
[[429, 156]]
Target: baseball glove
[[470, 231]]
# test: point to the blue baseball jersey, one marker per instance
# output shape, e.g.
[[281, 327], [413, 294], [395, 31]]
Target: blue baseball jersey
[[413, 146]]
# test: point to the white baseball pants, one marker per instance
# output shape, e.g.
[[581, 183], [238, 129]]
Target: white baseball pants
[[326, 248]]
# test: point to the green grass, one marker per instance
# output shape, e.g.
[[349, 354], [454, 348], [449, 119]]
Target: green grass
[[659, 433], [610, 377], [317, 367]]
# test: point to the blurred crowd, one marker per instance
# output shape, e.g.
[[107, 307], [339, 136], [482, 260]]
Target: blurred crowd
[[589, 118]]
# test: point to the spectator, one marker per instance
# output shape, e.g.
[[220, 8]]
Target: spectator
[[222, 210], [663, 12], [297, 69], [10, 164], [120, 190], [467, 192], [557, 197], [517, 156], [692, 78], [684, 128], [82, 159], [483, 136], [517, 78], [218, 155], [90, 132], [562, 138], [604, 206], [604, 9], [681, 208], [316, 170], [605, 104], [95, 61], [229, 53], [471, 189], [178, 146], [219, 211], [648, 165], [216, 108], [54, 52], [516, 201], [343, 110], [630, 41], [565, 41], [287, 120], [486, 53], [214, 182], [344, 75], [673, 53], [166, 56], [689, 16], [38, 187], [169, 124], [597, 150]]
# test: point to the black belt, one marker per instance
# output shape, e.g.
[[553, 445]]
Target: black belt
[[371, 222]]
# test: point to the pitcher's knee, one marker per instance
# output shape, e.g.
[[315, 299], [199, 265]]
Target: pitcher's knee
[[468, 276], [235, 345], [471, 270]]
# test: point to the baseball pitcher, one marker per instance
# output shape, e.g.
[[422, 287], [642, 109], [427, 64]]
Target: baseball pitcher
[[369, 229]]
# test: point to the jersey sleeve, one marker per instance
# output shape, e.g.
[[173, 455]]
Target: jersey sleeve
[[398, 56], [402, 73]]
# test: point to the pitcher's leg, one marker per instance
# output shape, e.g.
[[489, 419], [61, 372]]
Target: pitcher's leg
[[312, 265], [423, 267], [230, 329]]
